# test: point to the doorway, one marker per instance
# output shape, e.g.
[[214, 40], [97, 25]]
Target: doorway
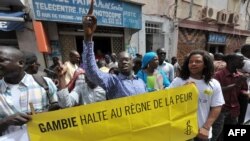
[[103, 44], [213, 48]]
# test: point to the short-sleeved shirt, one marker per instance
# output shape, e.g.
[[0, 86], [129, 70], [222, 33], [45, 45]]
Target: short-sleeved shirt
[[30, 92], [231, 96], [210, 95]]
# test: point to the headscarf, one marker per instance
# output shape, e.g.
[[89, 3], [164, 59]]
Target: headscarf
[[148, 57]]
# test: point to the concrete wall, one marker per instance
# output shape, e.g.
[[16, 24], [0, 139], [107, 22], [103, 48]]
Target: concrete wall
[[168, 32], [229, 6]]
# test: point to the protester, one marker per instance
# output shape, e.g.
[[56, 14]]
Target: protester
[[32, 65], [166, 67], [113, 62], [102, 65], [219, 64], [198, 69], [176, 65], [84, 92], [234, 86], [153, 77], [125, 84], [66, 71], [51, 71], [137, 61], [18, 89], [245, 50]]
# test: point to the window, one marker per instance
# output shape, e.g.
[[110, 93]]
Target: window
[[154, 36]]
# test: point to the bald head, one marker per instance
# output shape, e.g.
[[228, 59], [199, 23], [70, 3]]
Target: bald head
[[12, 64], [12, 53], [74, 57]]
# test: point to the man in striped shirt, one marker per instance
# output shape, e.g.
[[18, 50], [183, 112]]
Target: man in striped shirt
[[18, 89]]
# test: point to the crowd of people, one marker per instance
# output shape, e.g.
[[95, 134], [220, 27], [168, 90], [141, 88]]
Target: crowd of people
[[222, 82]]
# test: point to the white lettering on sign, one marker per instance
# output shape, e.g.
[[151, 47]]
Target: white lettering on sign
[[82, 2], [236, 132], [3, 24], [55, 7]]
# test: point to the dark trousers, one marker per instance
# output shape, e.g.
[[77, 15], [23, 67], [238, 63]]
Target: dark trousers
[[243, 100], [223, 119]]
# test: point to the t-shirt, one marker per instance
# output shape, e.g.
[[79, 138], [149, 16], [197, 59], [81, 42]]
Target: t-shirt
[[210, 95]]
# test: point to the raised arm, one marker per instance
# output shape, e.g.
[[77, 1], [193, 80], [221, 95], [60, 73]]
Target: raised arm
[[92, 71]]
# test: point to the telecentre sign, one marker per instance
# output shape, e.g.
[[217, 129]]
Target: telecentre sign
[[108, 12]]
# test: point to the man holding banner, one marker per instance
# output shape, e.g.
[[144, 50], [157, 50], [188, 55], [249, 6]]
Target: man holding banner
[[125, 84], [198, 68]]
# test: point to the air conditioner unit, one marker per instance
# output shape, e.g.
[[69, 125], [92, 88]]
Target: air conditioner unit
[[234, 19], [208, 14], [222, 17]]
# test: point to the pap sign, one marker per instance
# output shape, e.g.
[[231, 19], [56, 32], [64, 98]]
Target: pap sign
[[10, 25]]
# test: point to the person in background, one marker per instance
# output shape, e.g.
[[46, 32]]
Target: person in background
[[177, 67], [198, 68], [84, 92], [51, 71], [219, 64], [18, 89], [166, 67], [99, 55], [32, 65], [137, 62], [245, 50], [107, 60], [113, 62], [234, 88], [125, 84], [114, 70], [66, 70], [102, 65], [153, 77]]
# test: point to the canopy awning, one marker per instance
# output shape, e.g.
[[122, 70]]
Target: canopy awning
[[11, 21]]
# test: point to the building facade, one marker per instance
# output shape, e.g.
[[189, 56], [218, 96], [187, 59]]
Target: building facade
[[214, 26]]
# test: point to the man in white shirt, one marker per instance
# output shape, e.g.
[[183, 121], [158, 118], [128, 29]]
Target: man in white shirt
[[166, 67]]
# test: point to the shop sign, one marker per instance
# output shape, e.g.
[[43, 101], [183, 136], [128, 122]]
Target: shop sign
[[108, 12], [11, 25], [217, 38]]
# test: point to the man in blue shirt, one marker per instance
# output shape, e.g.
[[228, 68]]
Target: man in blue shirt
[[125, 84]]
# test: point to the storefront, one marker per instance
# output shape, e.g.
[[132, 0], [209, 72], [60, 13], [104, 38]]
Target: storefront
[[62, 22], [212, 38]]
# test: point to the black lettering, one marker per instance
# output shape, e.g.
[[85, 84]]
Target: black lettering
[[83, 120], [127, 110], [42, 128], [57, 125], [49, 128], [74, 123], [64, 123]]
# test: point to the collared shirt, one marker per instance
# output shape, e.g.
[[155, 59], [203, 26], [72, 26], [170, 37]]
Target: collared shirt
[[168, 69], [115, 86], [81, 94], [231, 96], [31, 92]]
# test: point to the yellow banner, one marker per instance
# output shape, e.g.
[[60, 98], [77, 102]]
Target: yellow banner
[[167, 115]]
